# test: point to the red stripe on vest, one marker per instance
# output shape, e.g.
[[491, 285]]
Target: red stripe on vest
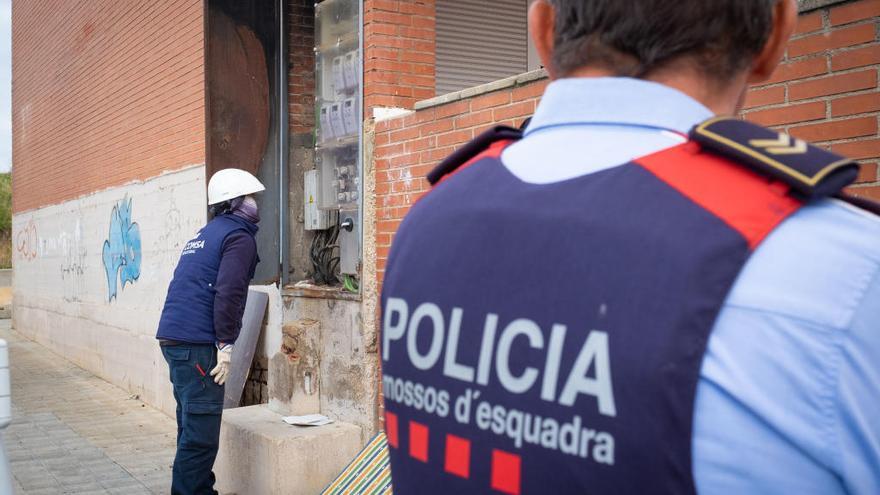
[[749, 203]]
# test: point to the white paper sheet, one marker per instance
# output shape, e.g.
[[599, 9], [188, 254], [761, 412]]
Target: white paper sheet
[[307, 420]]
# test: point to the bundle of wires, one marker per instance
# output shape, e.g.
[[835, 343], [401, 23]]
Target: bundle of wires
[[350, 283], [322, 253]]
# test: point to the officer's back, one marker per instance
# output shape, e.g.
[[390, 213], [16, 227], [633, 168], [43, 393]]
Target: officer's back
[[599, 308]]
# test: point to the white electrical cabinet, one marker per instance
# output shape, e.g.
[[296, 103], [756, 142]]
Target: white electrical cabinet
[[349, 244], [314, 217]]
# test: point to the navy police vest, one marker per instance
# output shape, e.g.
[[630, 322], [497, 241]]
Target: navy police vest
[[188, 315], [547, 339]]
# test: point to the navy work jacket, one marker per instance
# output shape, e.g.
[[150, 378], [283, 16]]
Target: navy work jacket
[[193, 301]]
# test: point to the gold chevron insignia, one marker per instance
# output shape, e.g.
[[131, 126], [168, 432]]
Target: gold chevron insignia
[[783, 145]]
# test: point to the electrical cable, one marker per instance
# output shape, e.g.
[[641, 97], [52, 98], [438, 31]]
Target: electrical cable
[[321, 254], [350, 283]]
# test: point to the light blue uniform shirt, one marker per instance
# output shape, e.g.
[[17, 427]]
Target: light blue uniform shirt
[[788, 400]]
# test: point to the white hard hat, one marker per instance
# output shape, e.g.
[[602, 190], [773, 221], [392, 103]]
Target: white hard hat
[[231, 183]]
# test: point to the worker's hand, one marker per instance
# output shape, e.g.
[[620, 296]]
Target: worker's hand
[[224, 358]]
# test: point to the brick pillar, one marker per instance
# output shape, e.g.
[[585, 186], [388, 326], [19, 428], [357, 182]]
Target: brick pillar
[[399, 37]]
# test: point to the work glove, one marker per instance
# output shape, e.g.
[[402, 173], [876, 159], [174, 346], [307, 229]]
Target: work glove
[[224, 358]]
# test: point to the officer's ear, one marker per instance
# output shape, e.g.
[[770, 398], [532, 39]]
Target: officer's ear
[[542, 27], [785, 15]]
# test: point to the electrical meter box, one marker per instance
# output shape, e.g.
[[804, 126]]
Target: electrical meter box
[[338, 102], [339, 107], [314, 217]]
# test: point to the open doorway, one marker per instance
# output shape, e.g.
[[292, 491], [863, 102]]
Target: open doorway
[[246, 117]]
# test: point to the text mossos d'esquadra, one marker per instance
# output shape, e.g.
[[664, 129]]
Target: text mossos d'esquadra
[[569, 435]]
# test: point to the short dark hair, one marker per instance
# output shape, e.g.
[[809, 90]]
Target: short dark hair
[[636, 37]]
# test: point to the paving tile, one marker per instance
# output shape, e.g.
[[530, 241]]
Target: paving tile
[[129, 489], [38, 483], [111, 473], [16, 487], [32, 469], [80, 487], [41, 491]]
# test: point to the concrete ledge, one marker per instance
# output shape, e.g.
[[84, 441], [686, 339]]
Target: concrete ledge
[[500, 84], [808, 5], [260, 454], [305, 289]]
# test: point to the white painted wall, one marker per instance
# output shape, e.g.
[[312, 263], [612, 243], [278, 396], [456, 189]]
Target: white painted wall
[[60, 288]]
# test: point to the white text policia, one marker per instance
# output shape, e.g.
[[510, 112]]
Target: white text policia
[[399, 323]]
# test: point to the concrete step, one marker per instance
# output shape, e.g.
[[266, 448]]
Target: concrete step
[[260, 454]]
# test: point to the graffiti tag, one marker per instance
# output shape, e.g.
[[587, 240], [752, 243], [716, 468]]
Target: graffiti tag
[[26, 241], [73, 267], [122, 249]]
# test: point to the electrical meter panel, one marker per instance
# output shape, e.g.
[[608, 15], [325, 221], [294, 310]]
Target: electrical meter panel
[[339, 178], [338, 103]]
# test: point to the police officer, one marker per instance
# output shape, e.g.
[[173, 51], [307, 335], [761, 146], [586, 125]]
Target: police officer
[[201, 321], [638, 294]]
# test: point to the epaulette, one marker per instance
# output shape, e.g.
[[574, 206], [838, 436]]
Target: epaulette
[[810, 171], [470, 150]]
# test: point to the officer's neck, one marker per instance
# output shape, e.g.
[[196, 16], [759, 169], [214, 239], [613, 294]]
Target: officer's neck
[[721, 98]]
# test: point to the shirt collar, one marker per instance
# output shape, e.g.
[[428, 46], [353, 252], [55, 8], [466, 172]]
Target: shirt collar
[[617, 101]]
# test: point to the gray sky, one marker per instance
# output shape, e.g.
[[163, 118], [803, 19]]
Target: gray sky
[[5, 85]]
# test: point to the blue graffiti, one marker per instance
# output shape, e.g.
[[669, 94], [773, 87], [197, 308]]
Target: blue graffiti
[[122, 249]]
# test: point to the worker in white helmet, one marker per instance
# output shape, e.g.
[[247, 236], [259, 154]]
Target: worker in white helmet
[[201, 321]]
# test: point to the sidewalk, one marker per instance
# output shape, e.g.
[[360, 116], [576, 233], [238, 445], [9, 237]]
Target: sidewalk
[[75, 433]]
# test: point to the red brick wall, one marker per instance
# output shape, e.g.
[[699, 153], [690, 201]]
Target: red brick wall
[[826, 90], [399, 58], [104, 92], [301, 73]]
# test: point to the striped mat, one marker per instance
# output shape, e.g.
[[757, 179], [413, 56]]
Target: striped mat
[[368, 474]]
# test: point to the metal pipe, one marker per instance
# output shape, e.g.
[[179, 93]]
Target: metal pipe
[[283, 131], [361, 138]]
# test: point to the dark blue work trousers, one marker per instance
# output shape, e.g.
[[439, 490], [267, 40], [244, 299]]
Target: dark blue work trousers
[[199, 409]]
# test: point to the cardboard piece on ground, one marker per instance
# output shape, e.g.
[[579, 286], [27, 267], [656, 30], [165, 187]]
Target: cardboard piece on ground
[[245, 346]]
